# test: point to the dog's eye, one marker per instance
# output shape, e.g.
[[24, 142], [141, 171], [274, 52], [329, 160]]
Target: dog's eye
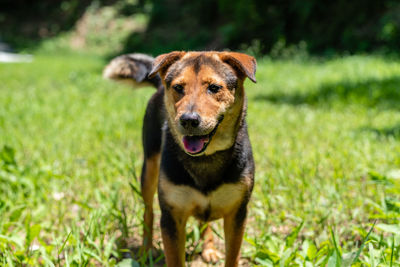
[[213, 88], [178, 88]]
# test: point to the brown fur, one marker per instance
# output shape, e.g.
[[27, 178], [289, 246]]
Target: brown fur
[[218, 180], [233, 240], [149, 187], [174, 248], [229, 102]]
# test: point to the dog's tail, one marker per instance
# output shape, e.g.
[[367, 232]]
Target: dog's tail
[[132, 68]]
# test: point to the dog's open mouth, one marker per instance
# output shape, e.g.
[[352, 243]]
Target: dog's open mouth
[[195, 144]]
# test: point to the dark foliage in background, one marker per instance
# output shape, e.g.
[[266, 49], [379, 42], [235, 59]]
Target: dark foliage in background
[[324, 25], [22, 22], [354, 26]]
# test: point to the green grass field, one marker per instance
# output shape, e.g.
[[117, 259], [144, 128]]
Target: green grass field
[[326, 140]]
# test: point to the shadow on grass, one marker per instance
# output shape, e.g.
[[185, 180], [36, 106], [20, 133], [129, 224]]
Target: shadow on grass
[[387, 132], [383, 94], [130, 248]]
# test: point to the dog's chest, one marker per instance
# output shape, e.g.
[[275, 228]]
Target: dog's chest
[[189, 201]]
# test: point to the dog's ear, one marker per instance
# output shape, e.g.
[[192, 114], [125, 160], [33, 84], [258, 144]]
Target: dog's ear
[[244, 64], [164, 61]]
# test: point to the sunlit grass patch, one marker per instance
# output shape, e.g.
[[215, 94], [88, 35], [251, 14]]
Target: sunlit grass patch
[[326, 141]]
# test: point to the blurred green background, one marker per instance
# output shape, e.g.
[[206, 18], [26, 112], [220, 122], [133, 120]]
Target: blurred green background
[[157, 26], [323, 117]]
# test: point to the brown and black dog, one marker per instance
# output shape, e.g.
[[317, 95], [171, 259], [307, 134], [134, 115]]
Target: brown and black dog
[[196, 146]]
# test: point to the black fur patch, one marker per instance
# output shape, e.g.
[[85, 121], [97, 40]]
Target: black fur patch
[[205, 215], [152, 124], [168, 223], [241, 212]]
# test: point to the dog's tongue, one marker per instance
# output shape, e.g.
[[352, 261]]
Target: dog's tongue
[[194, 144]]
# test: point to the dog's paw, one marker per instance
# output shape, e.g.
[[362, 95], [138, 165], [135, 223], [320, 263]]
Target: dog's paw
[[211, 255]]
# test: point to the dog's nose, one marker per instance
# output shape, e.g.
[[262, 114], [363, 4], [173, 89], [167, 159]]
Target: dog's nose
[[191, 119]]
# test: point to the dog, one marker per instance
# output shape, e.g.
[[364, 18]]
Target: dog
[[196, 145]]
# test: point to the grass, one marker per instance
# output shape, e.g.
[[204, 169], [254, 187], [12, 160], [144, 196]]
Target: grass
[[326, 140]]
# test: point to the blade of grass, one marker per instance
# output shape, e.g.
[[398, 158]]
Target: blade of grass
[[363, 243], [64, 243], [392, 253], [134, 189], [338, 254]]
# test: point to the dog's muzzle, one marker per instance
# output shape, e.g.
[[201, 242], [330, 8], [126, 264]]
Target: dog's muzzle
[[196, 144]]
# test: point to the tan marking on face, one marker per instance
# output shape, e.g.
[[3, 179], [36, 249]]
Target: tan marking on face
[[226, 134], [188, 201], [210, 106]]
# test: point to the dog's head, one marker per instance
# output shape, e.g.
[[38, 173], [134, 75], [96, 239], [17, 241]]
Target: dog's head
[[204, 97]]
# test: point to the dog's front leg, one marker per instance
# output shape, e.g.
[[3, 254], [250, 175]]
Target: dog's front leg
[[234, 224], [173, 236]]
